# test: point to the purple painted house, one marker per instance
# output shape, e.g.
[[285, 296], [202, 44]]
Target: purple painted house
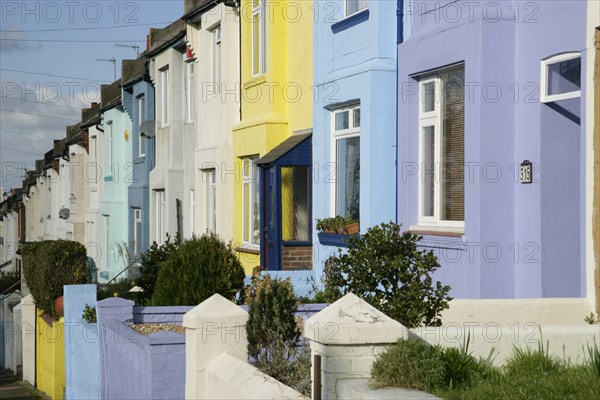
[[491, 144]]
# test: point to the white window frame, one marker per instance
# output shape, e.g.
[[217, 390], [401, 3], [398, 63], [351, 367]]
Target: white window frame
[[247, 231], [352, 131], [106, 242], [137, 219], [159, 203], [433, 119], [192, 212], [141, 112], [346, 14], [216, 58], [165, 84], [259, 9], [210, 177], [109, 148], [190, 91], [546, 98]]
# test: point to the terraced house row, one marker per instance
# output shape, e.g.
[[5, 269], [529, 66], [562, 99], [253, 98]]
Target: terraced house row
[[253, 119]]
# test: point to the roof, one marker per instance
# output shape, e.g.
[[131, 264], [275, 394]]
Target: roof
[[283, 148]]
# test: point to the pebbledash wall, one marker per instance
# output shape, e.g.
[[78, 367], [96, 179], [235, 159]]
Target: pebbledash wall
[[354, 66], [519, 240]]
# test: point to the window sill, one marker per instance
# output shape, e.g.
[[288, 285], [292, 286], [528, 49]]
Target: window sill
[[248, 248], [445, 231], [350, 21], [255, 81]]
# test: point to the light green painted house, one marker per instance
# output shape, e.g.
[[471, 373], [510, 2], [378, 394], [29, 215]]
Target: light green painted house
[[116, 169]]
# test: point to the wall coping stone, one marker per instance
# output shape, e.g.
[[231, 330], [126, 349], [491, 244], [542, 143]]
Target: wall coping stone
[[351, 320], [215, 308], [358, 388]]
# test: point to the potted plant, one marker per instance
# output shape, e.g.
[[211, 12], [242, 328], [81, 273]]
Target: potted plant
[[334, 231]]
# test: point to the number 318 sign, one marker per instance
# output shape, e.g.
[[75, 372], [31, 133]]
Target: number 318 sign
[[525, 175]]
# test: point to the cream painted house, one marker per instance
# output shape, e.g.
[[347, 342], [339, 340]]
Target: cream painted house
[[213, 41], [172, 181]]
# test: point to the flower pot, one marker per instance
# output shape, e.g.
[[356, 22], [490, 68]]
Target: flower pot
[[341, 230], [59, 306], [352, 229]]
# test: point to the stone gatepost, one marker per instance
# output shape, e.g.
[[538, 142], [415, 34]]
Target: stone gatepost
[[214, 327], [28, 320], [347, 336]]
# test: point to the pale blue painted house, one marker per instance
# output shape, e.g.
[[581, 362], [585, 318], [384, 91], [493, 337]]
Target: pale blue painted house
[[138, 102], [354, 139]]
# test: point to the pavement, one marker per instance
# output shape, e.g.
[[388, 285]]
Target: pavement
[[11, 388]]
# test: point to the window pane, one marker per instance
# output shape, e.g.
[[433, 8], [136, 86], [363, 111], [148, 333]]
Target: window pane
[[564, 76], [295, 203], [428, 172], [255, 206], [453, 144], [342, 120], [356, 113], [246, 205], [429, 97], [348, 177], [353, 6]]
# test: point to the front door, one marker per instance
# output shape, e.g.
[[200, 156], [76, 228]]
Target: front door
[[271, 238]]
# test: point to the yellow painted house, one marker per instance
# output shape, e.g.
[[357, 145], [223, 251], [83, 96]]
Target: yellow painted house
[[276, 105]]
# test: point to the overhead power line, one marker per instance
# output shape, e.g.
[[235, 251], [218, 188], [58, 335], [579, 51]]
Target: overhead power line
[[87, 28], [52, 75], [72, 40], [44, 103], [37, 115]]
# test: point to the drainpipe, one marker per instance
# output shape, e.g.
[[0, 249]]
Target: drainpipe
[[399, 39]]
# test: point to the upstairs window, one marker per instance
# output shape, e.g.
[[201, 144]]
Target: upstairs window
[[216, 67], [561, 77], [164, 95], [354, 6], [190, 83], [141, 113], [258, 37]]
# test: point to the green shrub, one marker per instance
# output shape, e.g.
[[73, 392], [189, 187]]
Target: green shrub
[[410, 364], [197, 269], [89, 314], [48, 266], [151, 261], [594, 359], [385, 268], [118, 288], [273, 332]]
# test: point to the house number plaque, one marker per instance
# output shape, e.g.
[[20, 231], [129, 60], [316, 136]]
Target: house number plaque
[[525, 175]]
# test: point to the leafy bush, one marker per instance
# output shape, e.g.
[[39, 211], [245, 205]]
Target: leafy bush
[[48, 266], [273, 332], [197, 269], [89, 314], [385, 268], [151, 262], [410, 364]]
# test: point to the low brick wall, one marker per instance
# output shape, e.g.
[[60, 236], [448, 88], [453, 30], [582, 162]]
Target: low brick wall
[[295, 258], [135, 366]]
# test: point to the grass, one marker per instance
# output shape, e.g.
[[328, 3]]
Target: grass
[[529, 374]]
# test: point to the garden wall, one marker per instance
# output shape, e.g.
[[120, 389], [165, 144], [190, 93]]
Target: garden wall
[[10, 344], [82, 348], [50, 356], [134, 365]]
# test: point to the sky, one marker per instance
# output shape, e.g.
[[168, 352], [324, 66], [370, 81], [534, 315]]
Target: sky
[[49, 68]]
